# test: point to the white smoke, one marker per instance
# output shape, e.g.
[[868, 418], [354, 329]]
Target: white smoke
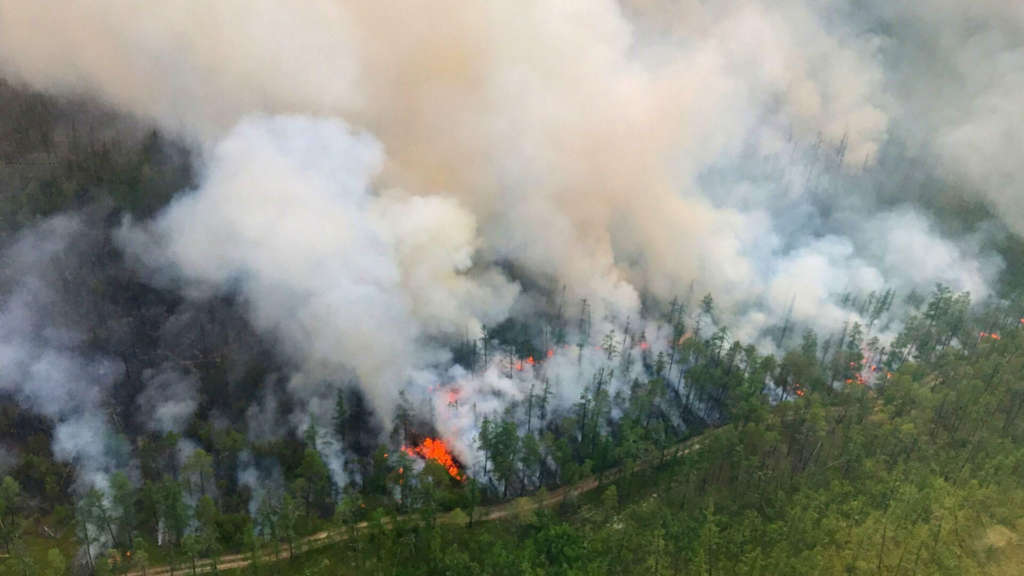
[[619, 149], [259, 480], [344, 279], [569, 137], [461, 399], [169, 399], [45, 362], [959, 68]]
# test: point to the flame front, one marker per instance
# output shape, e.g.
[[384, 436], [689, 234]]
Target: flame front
[[436, 450]]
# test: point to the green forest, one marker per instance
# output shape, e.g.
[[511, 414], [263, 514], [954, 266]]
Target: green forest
[[919, 473]]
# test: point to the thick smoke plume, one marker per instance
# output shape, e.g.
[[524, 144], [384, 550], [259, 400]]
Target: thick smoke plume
[[342, 278], [380, 181]]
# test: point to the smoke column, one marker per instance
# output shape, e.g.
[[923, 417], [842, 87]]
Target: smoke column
[[44, 358]]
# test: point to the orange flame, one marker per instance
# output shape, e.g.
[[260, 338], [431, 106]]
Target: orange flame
[[644, 345], [551, 353], [436, 450]]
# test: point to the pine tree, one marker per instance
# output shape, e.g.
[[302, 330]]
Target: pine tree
[[208, 535], [341, 417], [123, 504], [11, 521], [609, 346]]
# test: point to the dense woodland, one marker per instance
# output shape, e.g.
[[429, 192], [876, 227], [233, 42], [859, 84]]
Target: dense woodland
[[840, 455]]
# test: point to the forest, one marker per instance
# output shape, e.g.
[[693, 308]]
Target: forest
[[636, 287], [836, 455]]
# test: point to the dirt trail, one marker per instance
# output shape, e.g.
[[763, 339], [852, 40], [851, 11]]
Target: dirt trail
[[483, 514]]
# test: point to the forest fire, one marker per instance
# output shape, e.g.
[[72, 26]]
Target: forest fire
[[435, 449]]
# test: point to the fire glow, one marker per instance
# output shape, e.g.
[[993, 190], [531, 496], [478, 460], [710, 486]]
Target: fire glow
[[436, 450]]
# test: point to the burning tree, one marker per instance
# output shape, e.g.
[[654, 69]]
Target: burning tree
[[436, 450]]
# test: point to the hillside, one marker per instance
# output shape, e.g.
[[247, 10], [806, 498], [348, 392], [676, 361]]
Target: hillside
[[511, 287]]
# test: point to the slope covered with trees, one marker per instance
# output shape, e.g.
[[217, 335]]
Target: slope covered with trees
[[835, 453], [914, 474], [919, 476]]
